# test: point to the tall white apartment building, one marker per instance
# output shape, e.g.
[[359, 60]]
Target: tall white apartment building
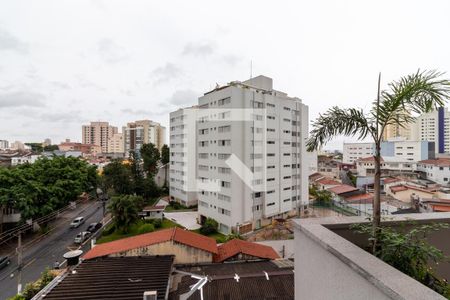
[[4, 144], [355, 151], [434, 127], [182, 182], [251, 164]]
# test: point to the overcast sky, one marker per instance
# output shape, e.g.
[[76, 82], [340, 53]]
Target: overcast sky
[[65, 63]]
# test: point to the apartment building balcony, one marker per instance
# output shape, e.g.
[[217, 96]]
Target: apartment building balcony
[[330, 263]]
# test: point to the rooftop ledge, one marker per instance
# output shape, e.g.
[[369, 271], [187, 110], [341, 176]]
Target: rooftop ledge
[[316, 237]]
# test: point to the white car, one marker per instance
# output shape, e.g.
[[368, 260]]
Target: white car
[[81, 237], [77, 222]]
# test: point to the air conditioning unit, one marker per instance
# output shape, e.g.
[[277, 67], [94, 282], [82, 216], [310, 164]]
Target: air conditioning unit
[[150, 295]]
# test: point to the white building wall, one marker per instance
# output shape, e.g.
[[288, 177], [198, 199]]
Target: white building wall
[[426, 128], [354, 151], [436, 173], [270, 178], [182, 174]]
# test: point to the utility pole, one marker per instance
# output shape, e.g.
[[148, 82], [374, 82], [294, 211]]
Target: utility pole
[[19, 262]]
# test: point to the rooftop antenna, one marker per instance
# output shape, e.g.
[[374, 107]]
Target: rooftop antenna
[[251, 69]]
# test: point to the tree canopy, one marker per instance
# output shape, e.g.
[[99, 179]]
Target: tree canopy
[[48, 184]]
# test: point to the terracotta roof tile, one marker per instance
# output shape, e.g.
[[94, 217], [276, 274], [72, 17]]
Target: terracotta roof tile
[[361, 197], [328, 181], [175, 234], [236, 246], [391, 180], [441, 162], [341, 189]]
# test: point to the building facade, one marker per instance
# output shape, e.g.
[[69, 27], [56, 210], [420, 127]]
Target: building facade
[[137, 133], [437, 170], [354, 151], [183, 174], [4, 144], [116, 143], [98, 133], [434, 127], [250, 155]]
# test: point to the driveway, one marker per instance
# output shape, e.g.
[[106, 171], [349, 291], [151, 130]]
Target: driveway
[[187, 219]]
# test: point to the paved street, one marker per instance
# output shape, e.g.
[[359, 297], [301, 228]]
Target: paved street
[[44, 253]]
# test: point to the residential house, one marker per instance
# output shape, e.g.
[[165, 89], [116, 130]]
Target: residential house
[[119, 278], [187, 246]]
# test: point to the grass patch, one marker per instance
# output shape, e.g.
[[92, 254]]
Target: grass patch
[[219, 237], [109, 234]]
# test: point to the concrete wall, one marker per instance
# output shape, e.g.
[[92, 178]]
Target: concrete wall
[[183, 254], [329, 264]]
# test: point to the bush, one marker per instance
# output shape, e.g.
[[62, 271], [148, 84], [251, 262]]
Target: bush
[[157, 223], [17, 297], [409, 252], [209, 227], [146, 228]]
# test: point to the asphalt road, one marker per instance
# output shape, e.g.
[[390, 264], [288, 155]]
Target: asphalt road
[[51, 248]]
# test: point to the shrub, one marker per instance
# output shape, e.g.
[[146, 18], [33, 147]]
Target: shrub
[[408, 251], [157, 223], [146, 228], [209, 227]]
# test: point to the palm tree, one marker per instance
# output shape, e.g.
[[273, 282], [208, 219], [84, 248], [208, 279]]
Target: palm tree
[[417, 93]]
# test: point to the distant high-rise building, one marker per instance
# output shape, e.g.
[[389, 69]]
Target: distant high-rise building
[[47, 142], [116, 143], [98, 133], [395, 131], [137, 133], [434, 127], [18, 145], [4, 144]]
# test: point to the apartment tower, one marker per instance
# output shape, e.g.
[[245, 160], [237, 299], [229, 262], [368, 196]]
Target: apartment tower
[[183, 156], [250, 155], [434, 127], [137, 133], [98, 133]]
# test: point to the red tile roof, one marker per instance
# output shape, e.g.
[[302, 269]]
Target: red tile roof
[[391, 180], [398, 188], [328, 181], [361, 197], [341, 189], [236, 246], [370, 158], [441, 162], [176, 234]]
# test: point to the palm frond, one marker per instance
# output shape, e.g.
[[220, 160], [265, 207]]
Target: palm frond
[[418, 93], [337, 121]]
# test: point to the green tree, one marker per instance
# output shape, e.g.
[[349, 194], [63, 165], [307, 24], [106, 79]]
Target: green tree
[[35, 147], [137, 174], [125, 209], [51, 148], [150, 155], [324, 197], [165, 154], [416, 93], [209, 227], [48, 184], [117, 178]]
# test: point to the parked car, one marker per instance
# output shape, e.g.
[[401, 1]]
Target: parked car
[[4, 261], [93, 227], [81, 237], [77, 222]]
